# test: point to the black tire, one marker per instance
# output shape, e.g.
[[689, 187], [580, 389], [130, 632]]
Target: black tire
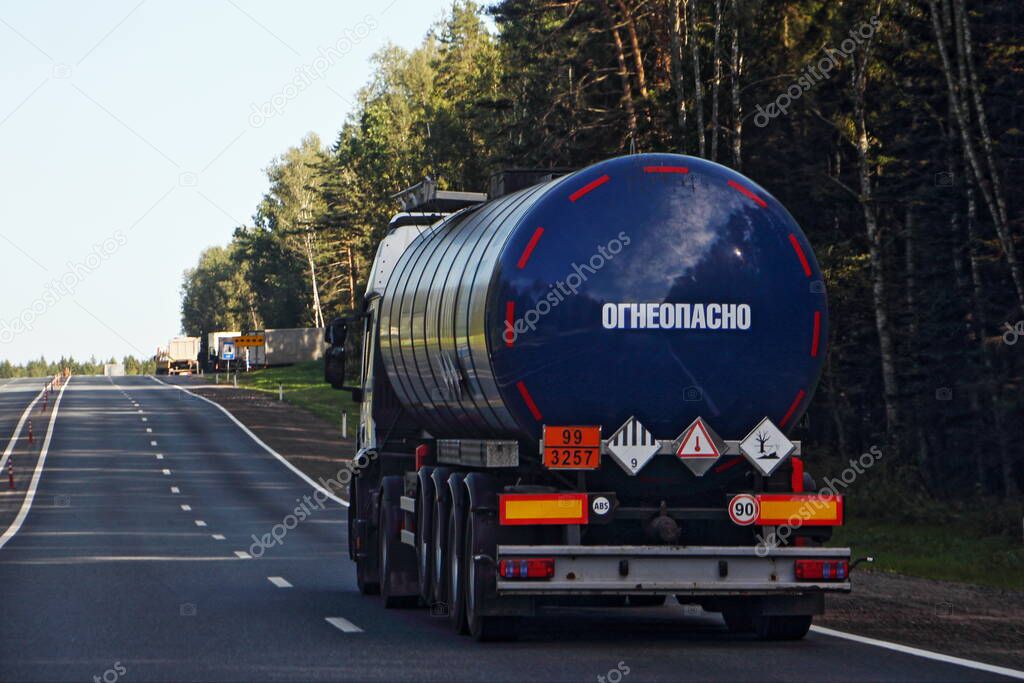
[[367, 580], [425, 541], [439, 571], [477, 580], [782, 627], [391, 551], [647, 600], [456, 572], [738, 620]]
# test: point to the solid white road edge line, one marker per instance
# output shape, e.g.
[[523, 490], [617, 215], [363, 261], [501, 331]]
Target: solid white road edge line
[[343, 624], [927, 654], [17, 430], [30, 495], [259, 442], [279, 582]]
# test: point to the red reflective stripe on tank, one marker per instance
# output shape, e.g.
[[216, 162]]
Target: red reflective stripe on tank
[[728, 464], [528, 400], [529, 248], [588, 187], [666, 169], [800, 254], [509, 333], [817, 334], [742, 190], [792, 408]]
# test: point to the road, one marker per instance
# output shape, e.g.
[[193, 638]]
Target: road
[[134, 564], [15, 397]]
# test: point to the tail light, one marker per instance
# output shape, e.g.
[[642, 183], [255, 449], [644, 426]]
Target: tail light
[[822, 570], [534, 568]]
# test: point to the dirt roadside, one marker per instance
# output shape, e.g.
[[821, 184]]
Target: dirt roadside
[[963, 620]]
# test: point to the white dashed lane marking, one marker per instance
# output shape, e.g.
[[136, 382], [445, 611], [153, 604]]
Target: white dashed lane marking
[[279, 582], [186, 508], [200, 522], [167, 473], [175, 489], [343, 625], [218, 537], [242, 555]]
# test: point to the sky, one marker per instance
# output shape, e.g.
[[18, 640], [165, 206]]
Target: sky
[[133, 135]]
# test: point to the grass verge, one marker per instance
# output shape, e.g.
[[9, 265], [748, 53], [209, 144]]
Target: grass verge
[[937, 551], [304, 387]]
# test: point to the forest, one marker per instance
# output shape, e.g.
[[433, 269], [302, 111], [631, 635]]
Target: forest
[[48, 368], [890, 129]]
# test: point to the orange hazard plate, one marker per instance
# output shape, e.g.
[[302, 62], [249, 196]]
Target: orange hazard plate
[[572, 447]]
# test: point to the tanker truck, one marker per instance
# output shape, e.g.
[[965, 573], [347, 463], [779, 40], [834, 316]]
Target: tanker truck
[[580, 393]]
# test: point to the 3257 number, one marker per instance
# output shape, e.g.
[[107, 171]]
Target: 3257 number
[[572, 458]]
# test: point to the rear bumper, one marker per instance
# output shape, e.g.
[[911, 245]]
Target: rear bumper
[[693, 570]]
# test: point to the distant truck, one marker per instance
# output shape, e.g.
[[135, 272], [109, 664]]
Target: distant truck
[[113, 370], [181, 357], [285, 346], [544, 379], [214, 362]]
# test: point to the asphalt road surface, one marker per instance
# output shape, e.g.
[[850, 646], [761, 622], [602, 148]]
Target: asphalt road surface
[[134, 564], [15, 397]]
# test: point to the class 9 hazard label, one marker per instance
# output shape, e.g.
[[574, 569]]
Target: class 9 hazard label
[[744, 509]]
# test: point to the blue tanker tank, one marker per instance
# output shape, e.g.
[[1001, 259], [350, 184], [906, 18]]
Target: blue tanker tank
[[658, 286]]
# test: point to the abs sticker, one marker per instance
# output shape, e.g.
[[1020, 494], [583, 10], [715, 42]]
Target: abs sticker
[[744, 509], [601, 506]]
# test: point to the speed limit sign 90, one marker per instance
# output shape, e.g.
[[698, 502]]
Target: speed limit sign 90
[[744, 509]]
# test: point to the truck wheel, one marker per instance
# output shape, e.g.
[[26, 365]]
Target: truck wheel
[[366, 585], [782, 627], [424, 539], [395, 557], [439, 556], [456, 572], [366, 579], [360, 541], [477, 581], [647, 600]]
